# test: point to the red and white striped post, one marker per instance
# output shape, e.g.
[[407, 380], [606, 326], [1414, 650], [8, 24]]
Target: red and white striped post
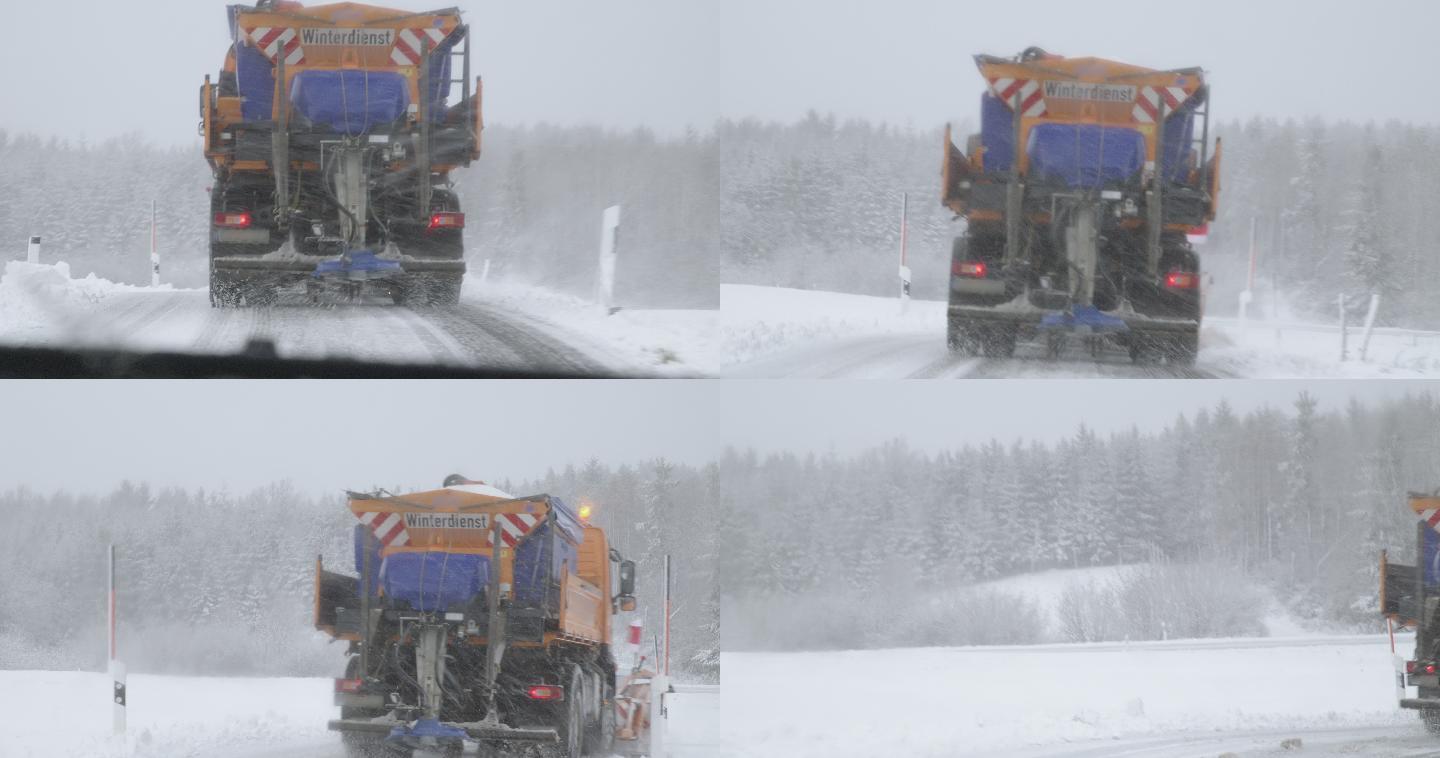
[[635, 638], [117, 669]]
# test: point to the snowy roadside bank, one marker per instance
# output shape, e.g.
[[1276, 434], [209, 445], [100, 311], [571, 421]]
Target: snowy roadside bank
[[664, 342], [54, 713], [984, 701]]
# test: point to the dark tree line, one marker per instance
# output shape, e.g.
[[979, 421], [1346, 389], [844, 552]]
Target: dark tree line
[[1297, 499], [533, 203], [222, 582], [1337, 207]]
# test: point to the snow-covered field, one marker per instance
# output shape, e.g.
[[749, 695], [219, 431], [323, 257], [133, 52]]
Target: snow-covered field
[[49, 714], [773, 331], [1097, 699], [497, 325]]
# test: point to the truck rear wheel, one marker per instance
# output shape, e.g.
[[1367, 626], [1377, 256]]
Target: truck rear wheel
[[600, 736], [572, 725], [444, 289], [224, 292], [362, 745], [998, 340]]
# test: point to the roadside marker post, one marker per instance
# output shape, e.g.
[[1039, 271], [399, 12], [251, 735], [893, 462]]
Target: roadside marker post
[[117, 668], [609, 242], [904, 240]]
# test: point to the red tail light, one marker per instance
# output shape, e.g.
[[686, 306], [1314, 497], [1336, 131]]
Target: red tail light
[[1182, 280], [447, 221], [1409, 667], [545, 692], [1429, 668], [233, 220], [347, 685], [971, 269]]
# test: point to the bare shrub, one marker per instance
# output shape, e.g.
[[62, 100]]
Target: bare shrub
[[1089, 612]]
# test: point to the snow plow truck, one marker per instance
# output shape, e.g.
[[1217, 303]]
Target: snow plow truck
[[331, 132], [475, 617], [1410, 597], [1078, 194]]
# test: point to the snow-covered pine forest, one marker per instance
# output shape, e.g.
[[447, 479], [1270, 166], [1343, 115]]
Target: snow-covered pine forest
[[865, 551], [220, 582], [1338, 207], [533, 204]]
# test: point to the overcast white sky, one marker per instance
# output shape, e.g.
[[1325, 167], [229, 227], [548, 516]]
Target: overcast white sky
[[122, 66], [328, 436]]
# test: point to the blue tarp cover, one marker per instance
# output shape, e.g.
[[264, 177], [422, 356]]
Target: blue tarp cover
[[1084, 155], [350, 102], [435, 581], [255, 79], [997, 130]]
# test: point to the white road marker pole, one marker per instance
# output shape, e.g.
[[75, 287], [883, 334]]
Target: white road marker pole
[[32, 253], [904, 239], [1344, 332], [1249, 293], [1369, 324], [154, 251], [117, 669], [609, 241]]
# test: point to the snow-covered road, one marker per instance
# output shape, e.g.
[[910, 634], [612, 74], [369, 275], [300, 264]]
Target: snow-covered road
[[1183, 697], [925, 356], [774, 332], [1369, 742], [67, 713], [501, 327]]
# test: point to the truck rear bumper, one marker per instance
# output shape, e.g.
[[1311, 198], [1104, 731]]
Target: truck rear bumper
[[1420, 703], [1032, 316], [307, 264], [476, 730]]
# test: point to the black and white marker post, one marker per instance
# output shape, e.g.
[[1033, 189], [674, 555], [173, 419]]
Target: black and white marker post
[[154, 251], [117, 669], [32, 253], [904, 238]]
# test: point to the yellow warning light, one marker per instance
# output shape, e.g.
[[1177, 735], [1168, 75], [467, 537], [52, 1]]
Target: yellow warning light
[[585, 512]]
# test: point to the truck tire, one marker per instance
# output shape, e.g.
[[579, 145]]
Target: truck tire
[[1183, 349], [961, 336], [224, 292], [444, 290], [998, 340], [361, 745], [572, 723], [600, 735]]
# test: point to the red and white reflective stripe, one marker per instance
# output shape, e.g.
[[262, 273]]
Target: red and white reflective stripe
[[272, 40], [407, 44], [1147, 102], [1032, 100], [514, 526], [1431, 517], [389, 528]]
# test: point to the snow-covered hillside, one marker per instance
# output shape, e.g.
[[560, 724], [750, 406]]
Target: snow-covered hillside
[[996, 701], [774, 331]]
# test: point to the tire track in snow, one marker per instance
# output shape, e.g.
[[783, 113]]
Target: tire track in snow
[[495, 340]]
